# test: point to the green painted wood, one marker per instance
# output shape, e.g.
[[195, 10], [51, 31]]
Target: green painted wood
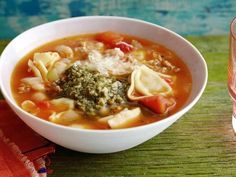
[[201, 144]]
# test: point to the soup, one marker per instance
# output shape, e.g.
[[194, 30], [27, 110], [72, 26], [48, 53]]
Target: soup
[[101, 81]]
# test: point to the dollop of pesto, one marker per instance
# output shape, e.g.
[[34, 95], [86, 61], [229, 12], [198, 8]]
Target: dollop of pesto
[[91, 90]]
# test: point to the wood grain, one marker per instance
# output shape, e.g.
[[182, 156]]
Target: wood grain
[[201, 144]]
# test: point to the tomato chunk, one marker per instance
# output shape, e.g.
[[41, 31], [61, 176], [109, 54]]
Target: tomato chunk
[[43, 104], [124, 47], [158, 104], [110, 38], [114, 40]]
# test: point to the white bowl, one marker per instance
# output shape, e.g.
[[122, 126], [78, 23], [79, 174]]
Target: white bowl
[[100, 141]]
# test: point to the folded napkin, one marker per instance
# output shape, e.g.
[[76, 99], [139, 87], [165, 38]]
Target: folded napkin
[[23, 153]]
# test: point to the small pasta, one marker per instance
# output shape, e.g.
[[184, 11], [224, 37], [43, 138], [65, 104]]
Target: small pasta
[[30, 107], [65, 51]]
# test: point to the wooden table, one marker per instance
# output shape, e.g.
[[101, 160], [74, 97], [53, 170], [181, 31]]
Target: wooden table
[[200, 144]]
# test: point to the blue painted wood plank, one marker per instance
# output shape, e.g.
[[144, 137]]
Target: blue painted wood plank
[[186, 17]]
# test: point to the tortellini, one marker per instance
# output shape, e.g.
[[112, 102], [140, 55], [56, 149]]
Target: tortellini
[[147, 82]]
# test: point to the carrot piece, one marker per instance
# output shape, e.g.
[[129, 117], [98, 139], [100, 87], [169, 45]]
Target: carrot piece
[[43, 104]]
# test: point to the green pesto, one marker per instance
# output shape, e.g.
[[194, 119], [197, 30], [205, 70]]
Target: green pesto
[[91, 90]]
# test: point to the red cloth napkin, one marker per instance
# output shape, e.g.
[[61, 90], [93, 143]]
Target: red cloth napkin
[[23, 153]]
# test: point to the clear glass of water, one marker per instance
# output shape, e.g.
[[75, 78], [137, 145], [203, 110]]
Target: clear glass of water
[[232, 70]]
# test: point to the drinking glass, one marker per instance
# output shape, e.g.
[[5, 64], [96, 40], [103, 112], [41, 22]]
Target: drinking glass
[[232, 70]]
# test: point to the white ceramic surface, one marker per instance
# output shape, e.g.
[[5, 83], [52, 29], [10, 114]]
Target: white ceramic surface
[[100, 141]]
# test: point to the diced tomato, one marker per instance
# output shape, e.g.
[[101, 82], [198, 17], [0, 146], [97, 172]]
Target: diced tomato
[[114, 40], [43, 104], [158, 104], [110, 38], [124, 47]]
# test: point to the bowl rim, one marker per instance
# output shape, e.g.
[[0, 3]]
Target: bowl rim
[[179, 113]]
